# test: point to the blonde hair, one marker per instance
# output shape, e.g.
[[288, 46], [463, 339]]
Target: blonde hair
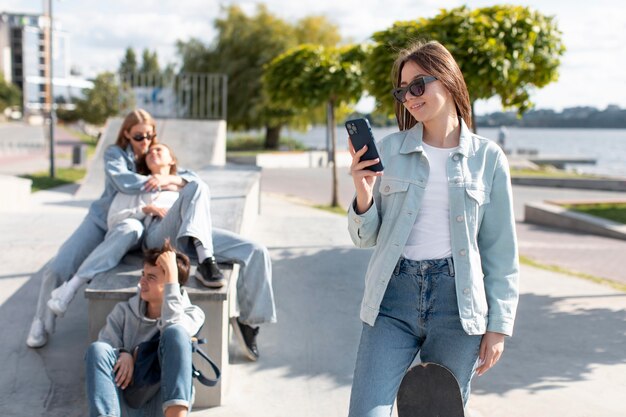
[[135, 117], [436, 60]]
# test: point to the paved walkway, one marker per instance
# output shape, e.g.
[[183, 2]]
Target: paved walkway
[[594, 255], [567, 356], [18, 160]]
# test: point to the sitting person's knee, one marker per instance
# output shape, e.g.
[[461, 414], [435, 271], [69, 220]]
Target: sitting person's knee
[[175, 333], [98, 349], [128, 226]]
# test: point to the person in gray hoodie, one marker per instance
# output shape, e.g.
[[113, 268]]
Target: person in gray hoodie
[[161, 305]]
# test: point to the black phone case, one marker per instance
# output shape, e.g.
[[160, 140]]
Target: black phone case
[[361, 134]]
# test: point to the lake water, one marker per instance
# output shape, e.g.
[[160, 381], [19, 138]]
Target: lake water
[[607, 146]]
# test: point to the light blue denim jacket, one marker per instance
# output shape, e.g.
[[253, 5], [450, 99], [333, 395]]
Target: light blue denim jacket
[[482, 226]]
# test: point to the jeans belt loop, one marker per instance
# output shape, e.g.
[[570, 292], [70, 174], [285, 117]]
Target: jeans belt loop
[[450, 266]]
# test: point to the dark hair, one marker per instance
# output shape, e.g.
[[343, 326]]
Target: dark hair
[[436, 60], [135, 117], [182, 261], [142, 166]]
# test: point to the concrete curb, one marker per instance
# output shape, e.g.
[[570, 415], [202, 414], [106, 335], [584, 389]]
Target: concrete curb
[[606, 184], [18, 191], [548, 214], [294, 159]]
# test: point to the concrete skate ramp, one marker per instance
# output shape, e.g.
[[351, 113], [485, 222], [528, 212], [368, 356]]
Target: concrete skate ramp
[[196, 143]]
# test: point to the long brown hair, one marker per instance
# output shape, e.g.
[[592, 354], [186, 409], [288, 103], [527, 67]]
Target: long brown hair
[[142, 166], [436, 60], [135, 117]]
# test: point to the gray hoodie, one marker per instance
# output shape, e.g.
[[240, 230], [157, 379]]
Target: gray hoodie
[[127, 325]]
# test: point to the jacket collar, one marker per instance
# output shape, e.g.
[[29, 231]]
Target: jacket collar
[[129, 152], [413, 140]]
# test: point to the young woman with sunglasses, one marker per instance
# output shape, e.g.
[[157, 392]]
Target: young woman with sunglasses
[[442, 282], [137, 132]]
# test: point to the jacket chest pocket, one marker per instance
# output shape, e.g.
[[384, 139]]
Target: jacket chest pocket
[[392, 193], [476, 198]]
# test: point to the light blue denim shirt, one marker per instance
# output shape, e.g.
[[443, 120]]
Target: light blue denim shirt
[[482, 226]]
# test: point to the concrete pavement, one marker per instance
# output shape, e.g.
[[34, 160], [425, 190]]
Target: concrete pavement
[[567, 355]]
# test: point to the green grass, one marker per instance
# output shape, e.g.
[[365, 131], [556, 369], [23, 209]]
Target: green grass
[[43, 181], [549, 173], [609, 211], [331, 209], [553, 268], [255, 144]]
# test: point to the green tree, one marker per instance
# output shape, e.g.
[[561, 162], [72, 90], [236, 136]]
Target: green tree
[[310, 76], [128, 65], [244, 44], [100, 102], [502, 50], [10, 95], [149, 62]]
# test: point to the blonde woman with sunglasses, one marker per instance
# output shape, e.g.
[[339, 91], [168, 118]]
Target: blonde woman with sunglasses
[[442, 282]]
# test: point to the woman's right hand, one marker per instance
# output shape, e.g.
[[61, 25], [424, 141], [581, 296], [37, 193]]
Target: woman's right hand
[[363, 178], [123, 370]]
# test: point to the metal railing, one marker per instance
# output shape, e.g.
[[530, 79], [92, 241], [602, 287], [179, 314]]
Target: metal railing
[[181, 96]]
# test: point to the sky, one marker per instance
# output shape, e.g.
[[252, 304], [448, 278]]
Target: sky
[[592, 71]]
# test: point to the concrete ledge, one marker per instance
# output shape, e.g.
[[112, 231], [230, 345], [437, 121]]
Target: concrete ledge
[[17, 192], [606, 184], [547, 214], [291, 159]]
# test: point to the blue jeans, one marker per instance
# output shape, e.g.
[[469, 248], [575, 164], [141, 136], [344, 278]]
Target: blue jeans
[[120, 239], [106, 399], [67, 261], [190, 217], [418, 314]]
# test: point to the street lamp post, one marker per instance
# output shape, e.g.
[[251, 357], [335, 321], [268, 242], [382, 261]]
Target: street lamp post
[[48, 36]]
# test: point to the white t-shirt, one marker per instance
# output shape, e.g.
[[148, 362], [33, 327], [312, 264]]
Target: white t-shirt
[[125, 206], [430, 236]]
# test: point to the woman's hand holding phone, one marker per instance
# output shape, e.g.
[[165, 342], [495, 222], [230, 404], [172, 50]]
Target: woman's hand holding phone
[[363, 178]]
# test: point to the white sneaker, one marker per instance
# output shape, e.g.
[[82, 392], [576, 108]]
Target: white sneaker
[[60, 299], [37, 336]]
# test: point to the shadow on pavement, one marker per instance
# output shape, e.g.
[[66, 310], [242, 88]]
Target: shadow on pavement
[[318, 296], [551, 348], [48, 381]]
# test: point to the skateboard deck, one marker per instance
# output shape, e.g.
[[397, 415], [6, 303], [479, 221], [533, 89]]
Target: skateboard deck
[[429, 390]]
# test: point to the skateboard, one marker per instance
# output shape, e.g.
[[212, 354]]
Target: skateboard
[[429, 390]]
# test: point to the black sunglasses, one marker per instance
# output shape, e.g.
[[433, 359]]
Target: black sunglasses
[[140, 138], [416, 87]]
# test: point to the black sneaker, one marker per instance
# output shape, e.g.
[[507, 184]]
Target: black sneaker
[[246, 335], [209, 274]]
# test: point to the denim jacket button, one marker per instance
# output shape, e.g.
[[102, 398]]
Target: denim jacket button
[[455, 157], [459, 218], [466, 291], [462, 252], [386, 188]]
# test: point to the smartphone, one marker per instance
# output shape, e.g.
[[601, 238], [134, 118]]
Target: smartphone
[[361, 134]]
